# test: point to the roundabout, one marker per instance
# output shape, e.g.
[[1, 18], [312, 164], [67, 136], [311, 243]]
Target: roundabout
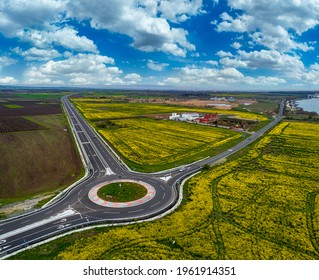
[[96, 197]]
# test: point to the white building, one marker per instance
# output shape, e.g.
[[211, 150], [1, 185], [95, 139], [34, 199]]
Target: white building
[[190, 116], [174, 116]]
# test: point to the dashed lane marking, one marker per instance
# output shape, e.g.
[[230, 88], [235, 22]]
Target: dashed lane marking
[[155, 204], [139, 210]]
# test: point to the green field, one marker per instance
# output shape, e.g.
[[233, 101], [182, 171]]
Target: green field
[[40, 96], [262, 106], [13, 106], [122, 192], [261, 205]]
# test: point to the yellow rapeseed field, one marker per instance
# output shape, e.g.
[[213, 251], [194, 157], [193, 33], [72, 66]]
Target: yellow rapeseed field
[[149, 145], [101, 109], [157, 144], [244, 209], [251, 207]]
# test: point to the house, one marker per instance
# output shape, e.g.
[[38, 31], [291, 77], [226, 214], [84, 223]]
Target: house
[[208, 118]]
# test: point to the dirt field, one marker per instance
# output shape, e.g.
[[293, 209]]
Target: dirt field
[[30, 108], [16, 124], [37, 161], [225, 105]]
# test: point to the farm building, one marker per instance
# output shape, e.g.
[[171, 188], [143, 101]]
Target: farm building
[[190, 116], [208, 118], [184, 117], [174, 116]]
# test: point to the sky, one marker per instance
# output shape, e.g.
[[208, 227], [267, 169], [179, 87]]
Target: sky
[[161, 44]]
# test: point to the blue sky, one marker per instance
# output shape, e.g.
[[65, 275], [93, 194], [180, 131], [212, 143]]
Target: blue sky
[[162, 44]]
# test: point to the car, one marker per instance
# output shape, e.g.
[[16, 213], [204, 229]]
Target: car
[[182, 169], [3, 241]]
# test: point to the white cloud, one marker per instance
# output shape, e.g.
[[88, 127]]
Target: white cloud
[[224, 54], [6, 61], [149, 32], [171, 80], [34, 21], [37, 54], [66, 37], [236, 62], [274, 24], [7, 80], [132, 78], [80, 69], [263, 80], [192, 75], [178, 10], [212, 62], [236, 45], [214, 22], [264, 59], [147, 22], [213, 78], [156, 66], [19, 14], [308, 76]]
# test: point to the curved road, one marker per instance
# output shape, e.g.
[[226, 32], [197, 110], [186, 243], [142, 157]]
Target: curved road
[[74, 209]]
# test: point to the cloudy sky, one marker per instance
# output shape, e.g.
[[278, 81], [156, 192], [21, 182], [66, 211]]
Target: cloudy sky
[[186, 44]]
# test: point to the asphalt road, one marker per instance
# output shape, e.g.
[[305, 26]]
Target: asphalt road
[[73, 209]]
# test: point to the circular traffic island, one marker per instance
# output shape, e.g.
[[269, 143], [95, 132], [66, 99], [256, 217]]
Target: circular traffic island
[[122, 192]]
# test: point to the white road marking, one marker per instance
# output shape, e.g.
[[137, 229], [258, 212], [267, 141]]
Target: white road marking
[[109, 171], [89, 208], [166, 178], [25, 222], [139, 210], [155, 204], [5, 247], [64, 214]]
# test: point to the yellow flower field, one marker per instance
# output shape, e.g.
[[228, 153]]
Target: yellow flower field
[[151, 143], [97, 109], [148, 145], [246, 208]]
